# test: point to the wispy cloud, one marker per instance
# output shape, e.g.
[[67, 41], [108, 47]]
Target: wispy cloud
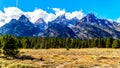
[[16, 3]]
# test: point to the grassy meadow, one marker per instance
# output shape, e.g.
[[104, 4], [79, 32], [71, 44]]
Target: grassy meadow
[[62, 58]]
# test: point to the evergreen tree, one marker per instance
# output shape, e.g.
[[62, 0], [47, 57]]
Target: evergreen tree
[[24, 42], [9, 46], [116, 44], [109, 42], [68, 41]]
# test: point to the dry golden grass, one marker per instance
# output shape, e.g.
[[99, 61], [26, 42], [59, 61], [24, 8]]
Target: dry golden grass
[[61, 58]]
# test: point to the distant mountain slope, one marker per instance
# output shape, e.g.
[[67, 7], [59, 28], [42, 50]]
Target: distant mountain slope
[[83, 31]]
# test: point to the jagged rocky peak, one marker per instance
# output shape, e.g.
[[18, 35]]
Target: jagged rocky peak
[[13, 21], [40, 20], [40, 23], [90, 15], [89, 18], [23, 18], [61, 17]]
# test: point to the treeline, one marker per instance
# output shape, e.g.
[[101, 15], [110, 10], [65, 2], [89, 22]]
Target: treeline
[[46, 43]]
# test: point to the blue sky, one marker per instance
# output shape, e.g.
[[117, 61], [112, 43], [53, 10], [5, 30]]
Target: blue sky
[[103, 8]]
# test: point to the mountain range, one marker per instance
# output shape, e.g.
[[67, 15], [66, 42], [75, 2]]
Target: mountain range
[[88, 27]]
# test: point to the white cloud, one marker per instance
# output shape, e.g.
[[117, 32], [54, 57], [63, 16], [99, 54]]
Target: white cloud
[[69, 15], [78, 14], [8, 14], [39, 13], [110, 20], [58, 11], [14, 13], [118, 20]]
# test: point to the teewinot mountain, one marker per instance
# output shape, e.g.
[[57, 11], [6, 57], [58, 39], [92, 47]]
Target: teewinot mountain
[[88, 27]]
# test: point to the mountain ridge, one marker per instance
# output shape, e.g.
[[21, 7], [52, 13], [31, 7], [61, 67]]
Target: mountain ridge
[[88, 27]]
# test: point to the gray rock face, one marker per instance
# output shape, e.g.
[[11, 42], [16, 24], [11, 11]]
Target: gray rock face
[[59, 30]]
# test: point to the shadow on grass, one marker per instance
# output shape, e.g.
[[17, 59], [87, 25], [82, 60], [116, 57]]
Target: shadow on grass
[[23, 57], [27, 57]]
